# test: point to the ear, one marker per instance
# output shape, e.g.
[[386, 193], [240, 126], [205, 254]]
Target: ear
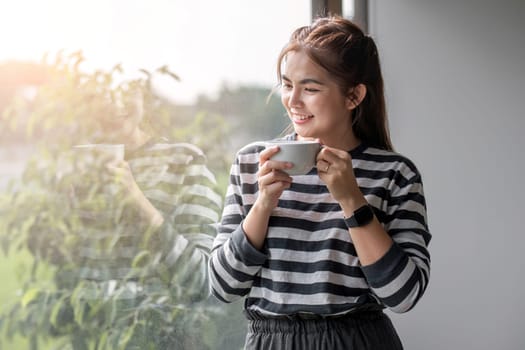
[[356, 95]]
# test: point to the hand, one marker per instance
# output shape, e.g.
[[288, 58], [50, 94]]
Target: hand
[[123, 176], [120, 173], [334, 167], [272, 180]]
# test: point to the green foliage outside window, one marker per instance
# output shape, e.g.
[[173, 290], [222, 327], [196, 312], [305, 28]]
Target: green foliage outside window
[[38, 215]]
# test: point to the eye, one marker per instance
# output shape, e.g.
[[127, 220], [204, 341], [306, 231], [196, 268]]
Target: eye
[[311, 90], [286, 85]]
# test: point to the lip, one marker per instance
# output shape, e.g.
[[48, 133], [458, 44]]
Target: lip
[[300, 118]]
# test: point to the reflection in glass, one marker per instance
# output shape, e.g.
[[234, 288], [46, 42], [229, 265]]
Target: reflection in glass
[[119, 235]]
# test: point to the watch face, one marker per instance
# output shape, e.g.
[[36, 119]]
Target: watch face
[[361, 217]]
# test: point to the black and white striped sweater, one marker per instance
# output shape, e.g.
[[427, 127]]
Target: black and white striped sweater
[[308, 263], [175, 179]]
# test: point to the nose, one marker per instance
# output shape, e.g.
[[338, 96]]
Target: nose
[[294, 99]]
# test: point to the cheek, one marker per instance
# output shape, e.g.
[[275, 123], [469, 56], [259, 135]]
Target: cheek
[[285, 97], [317, 106]]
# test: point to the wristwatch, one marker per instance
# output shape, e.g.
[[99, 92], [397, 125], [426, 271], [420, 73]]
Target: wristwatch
[[360, 217]]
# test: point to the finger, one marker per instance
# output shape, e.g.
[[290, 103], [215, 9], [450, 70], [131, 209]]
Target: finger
[[325, 160], [278, 165], [281, 176], [265, 165], [116, 168], [275, 176], [322, 166], [273, 165], [273, 189], [333, 155], [111, 168], [104, 158], [117, 163], [276, 186], [267, 153]]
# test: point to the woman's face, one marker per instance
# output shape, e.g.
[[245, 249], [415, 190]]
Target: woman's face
[[124, 118], [314, 101]]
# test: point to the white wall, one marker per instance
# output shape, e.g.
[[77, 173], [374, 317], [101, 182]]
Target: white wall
[[455, 84]]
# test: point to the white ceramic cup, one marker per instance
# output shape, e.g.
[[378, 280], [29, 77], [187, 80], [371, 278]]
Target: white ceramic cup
[[302, 154]]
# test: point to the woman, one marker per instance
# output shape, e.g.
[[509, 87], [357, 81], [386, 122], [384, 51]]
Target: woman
[[318, 257], [147, 246]]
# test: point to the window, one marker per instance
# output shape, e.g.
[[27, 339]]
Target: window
[[82, 267]]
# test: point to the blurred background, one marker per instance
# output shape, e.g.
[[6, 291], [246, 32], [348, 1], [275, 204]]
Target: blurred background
[[455, 81]]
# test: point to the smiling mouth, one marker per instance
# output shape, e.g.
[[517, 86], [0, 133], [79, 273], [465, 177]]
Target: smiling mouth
[[301, 117]]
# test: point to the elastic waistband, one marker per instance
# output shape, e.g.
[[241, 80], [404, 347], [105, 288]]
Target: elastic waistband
[[258, 322], [364, 314]]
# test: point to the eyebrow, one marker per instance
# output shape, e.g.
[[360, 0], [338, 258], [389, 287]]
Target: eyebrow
[[303, 81]]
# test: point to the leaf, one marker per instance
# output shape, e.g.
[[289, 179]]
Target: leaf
[[174, 76], [145, 72], [165, 70], [29, 296], [79, 311], [57, 312], [77, 57], [141, 259], [134, 336], [103, 340], [117, 68], [4, 242], [128, 335], [79, 302]]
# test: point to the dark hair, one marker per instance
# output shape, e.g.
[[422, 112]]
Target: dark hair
[[351, 58]]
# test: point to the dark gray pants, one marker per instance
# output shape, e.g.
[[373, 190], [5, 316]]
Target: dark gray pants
[[370, 330]]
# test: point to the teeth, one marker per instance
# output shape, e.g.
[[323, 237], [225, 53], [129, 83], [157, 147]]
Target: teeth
[[302, 116]]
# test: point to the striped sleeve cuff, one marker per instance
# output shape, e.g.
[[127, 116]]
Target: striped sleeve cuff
[[244, 250], [386, 268]]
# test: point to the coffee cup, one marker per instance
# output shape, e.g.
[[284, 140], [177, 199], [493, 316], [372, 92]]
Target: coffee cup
[[302, 154]]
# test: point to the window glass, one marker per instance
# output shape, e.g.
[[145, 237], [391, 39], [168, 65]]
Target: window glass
[[348, 8], [119, 121]]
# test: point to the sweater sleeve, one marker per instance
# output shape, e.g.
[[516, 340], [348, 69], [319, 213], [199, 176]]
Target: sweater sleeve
[[234, 261], [401, 276], [185, 238]]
